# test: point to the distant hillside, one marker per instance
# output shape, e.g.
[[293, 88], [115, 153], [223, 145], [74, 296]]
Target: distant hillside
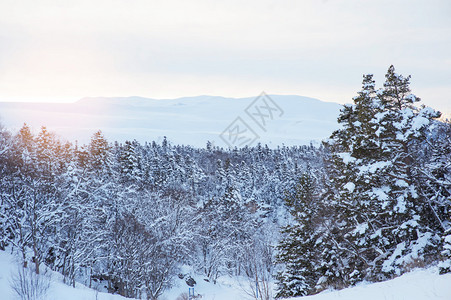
[[191, 120]]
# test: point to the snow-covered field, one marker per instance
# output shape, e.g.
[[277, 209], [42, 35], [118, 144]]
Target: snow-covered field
[[416, 285], [58, 290], [190, 121]]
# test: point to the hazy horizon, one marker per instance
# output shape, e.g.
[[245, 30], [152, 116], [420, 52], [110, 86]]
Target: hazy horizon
[[63, 51]]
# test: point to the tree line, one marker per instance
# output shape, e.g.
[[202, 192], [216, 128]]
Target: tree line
[[126, 216]]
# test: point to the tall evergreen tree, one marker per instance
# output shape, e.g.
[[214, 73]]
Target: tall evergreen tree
[[403, 132], [378, 228], [298, 251]]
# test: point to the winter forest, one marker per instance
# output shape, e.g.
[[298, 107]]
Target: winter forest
[[369, 204]]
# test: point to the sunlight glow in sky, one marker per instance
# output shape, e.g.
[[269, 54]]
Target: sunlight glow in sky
[[65, 50]]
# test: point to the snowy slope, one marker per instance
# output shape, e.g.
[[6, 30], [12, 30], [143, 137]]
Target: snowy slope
[[417, 285], [192, 121], [58, 290]]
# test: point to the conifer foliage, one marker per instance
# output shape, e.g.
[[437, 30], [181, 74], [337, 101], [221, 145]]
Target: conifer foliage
[[388, 197], [297, 250]]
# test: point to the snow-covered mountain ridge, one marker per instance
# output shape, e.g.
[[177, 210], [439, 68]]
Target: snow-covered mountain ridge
[[190, 120]]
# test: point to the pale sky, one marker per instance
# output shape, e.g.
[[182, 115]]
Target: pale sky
[[65, 50]]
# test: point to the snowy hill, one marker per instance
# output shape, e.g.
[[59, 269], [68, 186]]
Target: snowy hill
[[192, 120], [57, 290], [417, 285]]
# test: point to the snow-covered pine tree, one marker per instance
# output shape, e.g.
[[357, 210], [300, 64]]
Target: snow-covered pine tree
[[298, 251], [378, 229], [436, 176], [354, 246], [99, 154], [6, 229], [403, 131], [129, 162]]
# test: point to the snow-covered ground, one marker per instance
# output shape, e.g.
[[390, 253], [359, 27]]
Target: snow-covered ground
[[416, 285], [190, 121], [226, 288], [58, 290]]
